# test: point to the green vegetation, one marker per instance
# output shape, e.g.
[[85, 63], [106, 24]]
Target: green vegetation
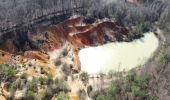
[[62, 96], [84, 76], [55, 87], [131, 87], [32, 86], [66, 69], [89, 89], [31, 95], [12, 90], [32, 89], [7, 72], [23, 76], [142, 27], [148, 1], [165, 59]]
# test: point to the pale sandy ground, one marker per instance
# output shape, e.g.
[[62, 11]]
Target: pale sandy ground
[[95, 81]]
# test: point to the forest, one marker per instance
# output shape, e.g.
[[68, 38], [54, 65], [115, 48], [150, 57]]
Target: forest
[[143, 14]]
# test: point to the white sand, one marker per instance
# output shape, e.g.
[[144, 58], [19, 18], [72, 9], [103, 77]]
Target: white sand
[[118, 56]]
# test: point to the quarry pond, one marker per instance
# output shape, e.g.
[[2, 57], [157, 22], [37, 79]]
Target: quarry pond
[[118, 56]]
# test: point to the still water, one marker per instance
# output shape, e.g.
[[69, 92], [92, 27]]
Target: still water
[[118, 56]]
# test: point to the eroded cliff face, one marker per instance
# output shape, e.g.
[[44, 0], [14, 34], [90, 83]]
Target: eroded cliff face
[[66, 38]]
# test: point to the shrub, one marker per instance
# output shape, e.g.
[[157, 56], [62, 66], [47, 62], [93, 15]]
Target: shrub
[[23, 76], [32, 86], [62, 96], [66, 69], [43, 81], [50, 80], [7, 72], [31, 95], [84, 76], [82, 94], [101, 97], [60, 84], [12, 90], [89, 89], [48, 93], [165, 59], [58, 62]]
